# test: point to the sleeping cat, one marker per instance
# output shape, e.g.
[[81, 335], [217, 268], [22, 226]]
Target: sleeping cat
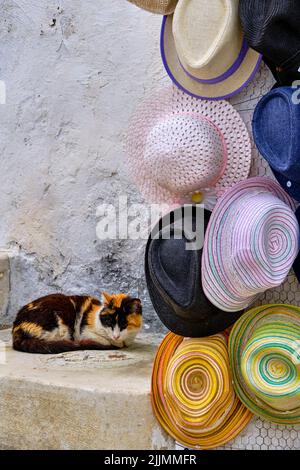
[[58, 323]]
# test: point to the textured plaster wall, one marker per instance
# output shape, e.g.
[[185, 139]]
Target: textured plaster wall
[[74, 72]]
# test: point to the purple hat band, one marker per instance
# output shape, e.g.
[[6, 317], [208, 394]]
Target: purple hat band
[[197, 95], [225, 75]]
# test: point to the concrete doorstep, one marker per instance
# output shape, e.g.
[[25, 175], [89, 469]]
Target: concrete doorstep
[[78, 400]]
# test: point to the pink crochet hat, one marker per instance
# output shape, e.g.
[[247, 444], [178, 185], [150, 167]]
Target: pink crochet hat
[[250, 244], [181, 149]]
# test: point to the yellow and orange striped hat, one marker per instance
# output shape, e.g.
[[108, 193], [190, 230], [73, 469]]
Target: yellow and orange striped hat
[[192, 393]]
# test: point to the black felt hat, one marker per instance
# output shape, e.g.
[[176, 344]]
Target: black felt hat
[[272, 27], [173, 275]]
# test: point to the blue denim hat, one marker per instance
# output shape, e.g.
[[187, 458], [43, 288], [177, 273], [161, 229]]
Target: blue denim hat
[[296, 265], [276, 130]]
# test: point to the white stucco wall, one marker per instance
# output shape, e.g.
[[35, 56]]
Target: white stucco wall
[[71, 87], [74, 72]]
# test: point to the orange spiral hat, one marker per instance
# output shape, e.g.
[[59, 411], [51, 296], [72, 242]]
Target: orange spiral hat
[[192, 393]]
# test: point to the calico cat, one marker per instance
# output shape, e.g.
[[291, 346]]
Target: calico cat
[[58, 323]]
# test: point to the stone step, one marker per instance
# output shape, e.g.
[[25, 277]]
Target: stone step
[[97, 400], [78, 400]]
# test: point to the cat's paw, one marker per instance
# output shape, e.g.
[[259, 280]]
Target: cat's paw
[[128, 343], [118, 344]]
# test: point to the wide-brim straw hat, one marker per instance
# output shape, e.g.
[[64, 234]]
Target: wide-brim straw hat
[[296, 265], [192, 393], [204, 51], [264, 350], [250, 244], [162, 7], [178, 146]]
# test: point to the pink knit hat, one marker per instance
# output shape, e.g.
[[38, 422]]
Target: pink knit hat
[[250, 244], [181, 149]]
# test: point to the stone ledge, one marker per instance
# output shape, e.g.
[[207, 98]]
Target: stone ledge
[[79, 400], [97, 400]]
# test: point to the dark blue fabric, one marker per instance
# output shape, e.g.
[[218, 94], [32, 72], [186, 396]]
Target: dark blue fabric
[[276, 130], [271, 27]]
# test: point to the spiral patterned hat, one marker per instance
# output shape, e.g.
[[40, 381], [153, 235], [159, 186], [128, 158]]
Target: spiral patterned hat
[[192, 393], [264, 349], [179, 147], [250, 244]]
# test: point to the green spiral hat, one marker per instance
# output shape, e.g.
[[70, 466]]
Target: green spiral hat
[[264, 350]]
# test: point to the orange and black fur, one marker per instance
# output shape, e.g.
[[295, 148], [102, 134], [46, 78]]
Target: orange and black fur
[[58, 323]]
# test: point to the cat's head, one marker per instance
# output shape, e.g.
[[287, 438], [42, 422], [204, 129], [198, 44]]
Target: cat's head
[[121, 316]]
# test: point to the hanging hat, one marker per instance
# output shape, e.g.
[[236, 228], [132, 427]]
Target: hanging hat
[[271, 27], [204, 51], [296, 265], [173, 276], [163, 7], [180, 148], [276, 132], [192, 393], [264, 350], [250, 244]]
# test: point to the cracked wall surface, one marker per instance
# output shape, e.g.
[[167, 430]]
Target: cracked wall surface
[[74, 73]]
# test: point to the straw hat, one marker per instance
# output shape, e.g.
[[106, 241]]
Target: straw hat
[[204, 51], [250, 244], [264, 349], [192, 393], [163, 7], [296, 265], [179, 147]]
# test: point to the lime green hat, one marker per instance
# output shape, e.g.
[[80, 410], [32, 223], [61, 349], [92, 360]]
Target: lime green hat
[[264, 350]]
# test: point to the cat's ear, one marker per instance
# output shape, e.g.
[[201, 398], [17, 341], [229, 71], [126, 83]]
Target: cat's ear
[[106, 297], [134, 306]]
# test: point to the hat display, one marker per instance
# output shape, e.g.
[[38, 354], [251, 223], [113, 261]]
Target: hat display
[[264, 350], [178, 147], [250, 244], [204, 51], [173, 276], [271, 27], [190, 150], [276, 133], [163, 7], [192, 393]]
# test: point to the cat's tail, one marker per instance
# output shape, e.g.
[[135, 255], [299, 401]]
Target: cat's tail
[[26, 343]]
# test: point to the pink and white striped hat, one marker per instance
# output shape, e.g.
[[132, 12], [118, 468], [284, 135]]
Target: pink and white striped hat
[[250, 244], [181, 149]]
